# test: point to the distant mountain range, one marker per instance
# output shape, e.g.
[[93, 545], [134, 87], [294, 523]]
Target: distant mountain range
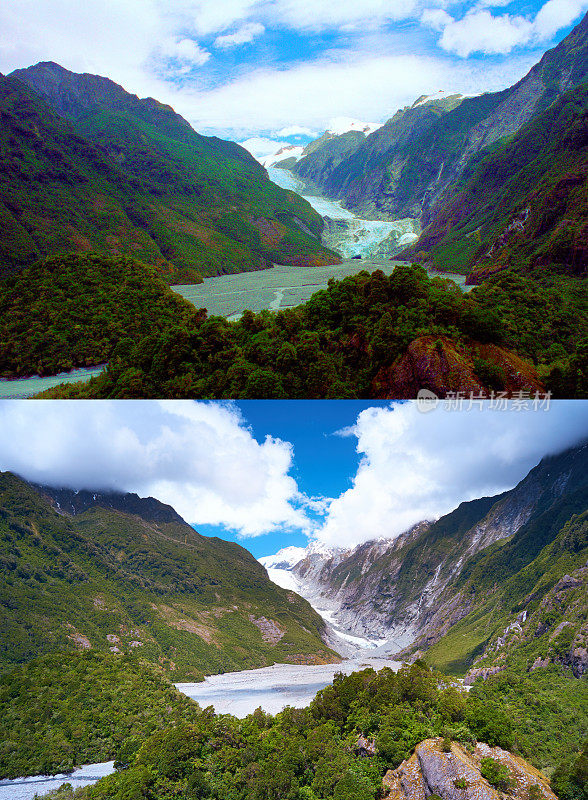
[[85, 165], [115, 572], [495, 179], [501, 580]]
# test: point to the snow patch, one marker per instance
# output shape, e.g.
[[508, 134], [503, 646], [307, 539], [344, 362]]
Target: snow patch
[[341, 125]]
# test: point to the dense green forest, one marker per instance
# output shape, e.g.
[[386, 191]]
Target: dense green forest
[[71, 311], [521, 202], [82, 708], [361, 337], [300, 754]]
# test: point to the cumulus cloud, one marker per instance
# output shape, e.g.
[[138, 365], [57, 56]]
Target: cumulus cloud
[[260, 146], [481, 31], [185, 51], [295, 130], [244, 35], [198, 457], [359, 85], [436, 18], [420, 466], [557, 14]]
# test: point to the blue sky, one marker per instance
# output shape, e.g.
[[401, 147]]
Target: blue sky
[[252, 69], [325, 461], [270, 474]]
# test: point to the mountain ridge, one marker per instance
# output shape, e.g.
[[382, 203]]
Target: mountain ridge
[[85, 165], [127, 575]]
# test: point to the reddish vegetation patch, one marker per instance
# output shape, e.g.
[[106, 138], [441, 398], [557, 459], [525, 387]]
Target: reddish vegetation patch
[[81, 242], [442, 366], [272, 232]]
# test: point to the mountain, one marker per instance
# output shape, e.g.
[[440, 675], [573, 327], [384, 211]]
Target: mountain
[[87, 166], [114, 572], [523, 203], [428, 585], [284, 158], [351, 166], [404, 168]]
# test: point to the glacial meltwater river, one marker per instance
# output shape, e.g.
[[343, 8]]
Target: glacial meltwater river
[[238, 693]]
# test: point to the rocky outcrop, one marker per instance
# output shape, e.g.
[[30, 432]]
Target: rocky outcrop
[[456, 775], [443, 367]]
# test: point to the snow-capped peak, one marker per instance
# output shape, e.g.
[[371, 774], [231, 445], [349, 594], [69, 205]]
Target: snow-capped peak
[[288, 557], [288, 151], [440, 95], [341, 125]]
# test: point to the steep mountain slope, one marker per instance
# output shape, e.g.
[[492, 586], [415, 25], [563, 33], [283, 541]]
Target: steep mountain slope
[[115, 572], [414, 587], [350, 166], [86, 165], [524, 203], [525, 612], [321, 157], [405, 175]]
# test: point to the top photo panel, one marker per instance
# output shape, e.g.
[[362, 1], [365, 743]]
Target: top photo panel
[[284, 199]]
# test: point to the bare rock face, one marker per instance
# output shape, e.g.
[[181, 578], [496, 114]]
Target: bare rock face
[[456, 775], [442, 366]]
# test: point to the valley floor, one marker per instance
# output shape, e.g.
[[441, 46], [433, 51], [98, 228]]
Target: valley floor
[[272, 688]]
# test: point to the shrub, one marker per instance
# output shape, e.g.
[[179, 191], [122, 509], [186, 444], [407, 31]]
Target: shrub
[[496, 774]]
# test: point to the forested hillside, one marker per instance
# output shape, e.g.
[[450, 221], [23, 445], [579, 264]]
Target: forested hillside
[[121, 176], [523, 204], [369, 335], [130, 576]]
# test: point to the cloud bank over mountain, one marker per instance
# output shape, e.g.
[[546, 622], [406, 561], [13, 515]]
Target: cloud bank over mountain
[[204, 460], [246, 67]]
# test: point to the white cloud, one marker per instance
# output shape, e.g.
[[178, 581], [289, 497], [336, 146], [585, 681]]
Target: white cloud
[[436, 18], [198, 457], [557, 14], [295, 130], [185, 50], [260, 146], [420, 466], [244, 35], [211, 16], [481, 31], [320, 14], [357, 85]]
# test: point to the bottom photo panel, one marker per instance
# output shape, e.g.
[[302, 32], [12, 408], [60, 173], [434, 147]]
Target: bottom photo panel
[[294, 600]]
